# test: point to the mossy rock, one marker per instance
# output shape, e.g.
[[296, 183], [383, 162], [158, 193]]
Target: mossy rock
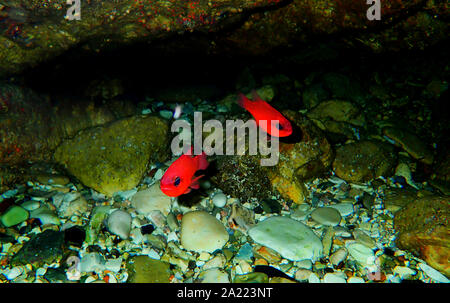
[[43, 248], [364, 160], [423, 229], [143, 269], [114, 157]]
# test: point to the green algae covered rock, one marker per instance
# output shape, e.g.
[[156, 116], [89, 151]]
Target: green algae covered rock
[[14, 215], [43, 248], [143, 269], [114, 157]]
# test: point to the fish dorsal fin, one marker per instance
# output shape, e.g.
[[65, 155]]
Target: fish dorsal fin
[[202, 162]]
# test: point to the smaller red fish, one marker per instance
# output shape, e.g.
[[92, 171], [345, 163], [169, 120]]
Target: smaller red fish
[[261, 110], [179, 177]]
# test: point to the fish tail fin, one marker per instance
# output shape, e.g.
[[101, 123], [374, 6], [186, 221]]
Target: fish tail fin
[[202, 162], [242, 100]]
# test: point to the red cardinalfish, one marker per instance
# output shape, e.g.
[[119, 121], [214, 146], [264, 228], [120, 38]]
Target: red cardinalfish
[[261, 110], [179, 177]]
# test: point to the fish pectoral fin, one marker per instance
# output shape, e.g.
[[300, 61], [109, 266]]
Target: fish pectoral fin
[[194, 183], [188, 190]]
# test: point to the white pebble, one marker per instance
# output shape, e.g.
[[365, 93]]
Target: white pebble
[[404, 272], [219, 200], [433, 273], [355, 280], [334, 278], [13, 272], [313, 278], [119, 223]]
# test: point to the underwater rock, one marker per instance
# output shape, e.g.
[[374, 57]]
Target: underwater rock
[[114, 157], [213, 275], [396, 198], [412, 144], [242, 177], [201, 231], [337, 110], [326, 215], [34, 124], [291, 239], [13, 216], [423, 229], [119, 223], [43, 248], [364, 160], [219, 199], [150, 199], [338, 117], [300, 161], [143, 269]]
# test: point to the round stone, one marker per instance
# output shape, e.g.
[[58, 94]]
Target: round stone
[[334, 278], [361, 253], [219, 200], [291, 239], [201, 231], [152, 198], [14, 215], [119, 223], [326, 216], [344, 209]]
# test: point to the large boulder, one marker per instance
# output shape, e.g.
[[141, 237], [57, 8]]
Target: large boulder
[[114, 157], [423, 229]]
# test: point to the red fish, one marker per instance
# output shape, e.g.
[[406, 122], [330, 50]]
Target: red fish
[[179, 177], [261, 110]]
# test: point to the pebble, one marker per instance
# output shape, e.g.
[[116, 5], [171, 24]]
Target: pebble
[[218, 261], [345, 209], [14, 215], [433, 273], [113, 265], [302, 274], [119, 223], [334, 278], [92, 262], [326, 216], [338, 256], [151, 199], [45, 215], [166, 114], [404, 272], [313, 278], [213, 275], [13, 273], [291, 239], [201, 231], [361, 253], [219, 200], [31, 205], [355, 280], [306, 264]]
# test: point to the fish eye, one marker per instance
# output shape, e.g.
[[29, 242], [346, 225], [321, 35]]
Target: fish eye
[[278, 126], [177, 181]]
